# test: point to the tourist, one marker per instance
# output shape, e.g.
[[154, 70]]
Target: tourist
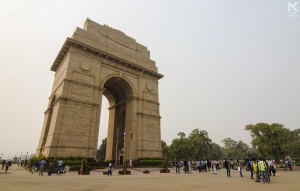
[[227, 167], [50, 168], [209, 164], [232, 164], [205, 165], [198, 165], [271, 168], [190, 165], [240, 167], [42, 164], [185, 166], [37, 166], [109, 169], [255, 169], [218, 165], [177, 165], [202, 165], [214, 166], [7, 164], [32, 166], [59, 166], [262, 167], [289, 163], [250, 167], [3, 164]]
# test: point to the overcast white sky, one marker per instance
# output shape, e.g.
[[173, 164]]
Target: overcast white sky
[[226, 63]]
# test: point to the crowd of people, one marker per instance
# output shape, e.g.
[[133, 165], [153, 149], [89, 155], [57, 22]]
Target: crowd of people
[[39, 166], [202, 165], [261, 169], [35, 166], [6, 164]]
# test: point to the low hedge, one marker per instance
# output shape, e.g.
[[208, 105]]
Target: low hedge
[[151, 162]]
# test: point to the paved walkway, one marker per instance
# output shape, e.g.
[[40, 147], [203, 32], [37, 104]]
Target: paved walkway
[[18, 179]]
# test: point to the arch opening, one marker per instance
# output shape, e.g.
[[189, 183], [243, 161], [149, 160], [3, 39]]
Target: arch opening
[[118, 93]]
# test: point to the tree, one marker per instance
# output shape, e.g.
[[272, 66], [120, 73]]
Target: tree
[[270, 140], [216, 152], [200, 144], [101, 152], [180, 147], [235, 149], [165, 150], [229, 147], [293, 147], [242, 149]]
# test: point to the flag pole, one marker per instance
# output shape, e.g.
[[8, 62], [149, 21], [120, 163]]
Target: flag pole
[[130, 148]]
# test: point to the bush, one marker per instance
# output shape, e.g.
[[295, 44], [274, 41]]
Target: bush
[[151, 162]]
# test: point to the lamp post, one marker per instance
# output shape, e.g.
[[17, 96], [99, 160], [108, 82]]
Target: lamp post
[[21, 160], [26, 158]]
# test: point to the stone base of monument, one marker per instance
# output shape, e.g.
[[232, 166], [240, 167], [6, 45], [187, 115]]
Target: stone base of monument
[[83, 173], [164, 170], [146, 172], [121, 172]]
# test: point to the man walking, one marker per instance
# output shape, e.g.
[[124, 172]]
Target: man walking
[[289, 163], [59, 166], [226, 166], [262, 167], [198, 163], [109, 169], [177, 164], [42, 164], [214, 166], [255, 169]]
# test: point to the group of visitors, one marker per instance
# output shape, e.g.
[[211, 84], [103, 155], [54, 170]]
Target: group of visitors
[[202, 165], [260, 170], [6, 164], [39, 166], [21, 163], [263, 169]]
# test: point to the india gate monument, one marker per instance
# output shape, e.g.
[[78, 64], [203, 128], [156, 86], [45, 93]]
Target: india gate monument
[[101, 61]]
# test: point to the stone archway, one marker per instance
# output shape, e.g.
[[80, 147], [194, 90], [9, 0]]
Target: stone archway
[[100, 61], [119, 94]]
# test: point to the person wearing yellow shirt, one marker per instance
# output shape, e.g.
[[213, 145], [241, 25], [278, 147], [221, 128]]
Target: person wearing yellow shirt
[[262, 167], [255, 169]]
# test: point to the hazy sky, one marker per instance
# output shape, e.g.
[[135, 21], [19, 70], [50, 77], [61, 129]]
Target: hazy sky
[[226, 64]]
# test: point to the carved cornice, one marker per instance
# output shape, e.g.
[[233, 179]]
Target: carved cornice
[[75, 147], [82, 84], [64, 99], [149, 115], [71, 42]]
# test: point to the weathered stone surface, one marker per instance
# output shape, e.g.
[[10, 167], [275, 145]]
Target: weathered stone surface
[[101, 61]]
